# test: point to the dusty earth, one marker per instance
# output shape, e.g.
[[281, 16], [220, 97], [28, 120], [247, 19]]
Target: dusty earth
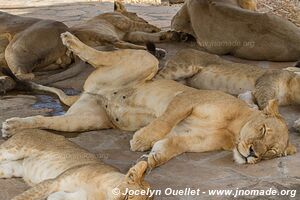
[[204, 171]]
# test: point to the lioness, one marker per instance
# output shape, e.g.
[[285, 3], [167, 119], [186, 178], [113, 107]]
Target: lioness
[[29, 45], [251, 83], [59, 169], [222, 27], [170, 117]]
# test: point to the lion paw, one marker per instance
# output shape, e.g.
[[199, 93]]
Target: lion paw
[[70, 41], [156, 159], [11, 126], [297, 125], [140, 141]]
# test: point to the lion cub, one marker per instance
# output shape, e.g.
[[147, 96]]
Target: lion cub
[[60, 170]]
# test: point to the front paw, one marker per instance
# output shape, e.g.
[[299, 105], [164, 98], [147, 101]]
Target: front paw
[[11, 126], [170, 36], [155, 159], [297, 125], [140, 141]]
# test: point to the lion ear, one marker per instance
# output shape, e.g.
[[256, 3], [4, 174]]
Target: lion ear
[[272, 108], [119, 7], [137, 172], [290, 149]]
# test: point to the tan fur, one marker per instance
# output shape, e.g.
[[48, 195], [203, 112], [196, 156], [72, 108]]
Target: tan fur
[[21, 51], [222, 27], [168, 116], [59, 169], [121, 29], [30, 45], [215, 73], [248, 4]]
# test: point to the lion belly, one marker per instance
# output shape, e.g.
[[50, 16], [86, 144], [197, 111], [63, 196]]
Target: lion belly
[[133, 108]]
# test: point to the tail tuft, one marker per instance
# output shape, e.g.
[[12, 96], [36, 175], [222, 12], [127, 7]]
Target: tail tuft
[[151, 47], [20, 84], [157, 52]]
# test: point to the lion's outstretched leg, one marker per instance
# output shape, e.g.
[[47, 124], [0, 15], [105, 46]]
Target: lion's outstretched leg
[[141, 63], [99, 58], [127, 45], [67, 123], [177, 143], [128, 25], [85, 115], [166, 149], [178, 109], [163, 36]]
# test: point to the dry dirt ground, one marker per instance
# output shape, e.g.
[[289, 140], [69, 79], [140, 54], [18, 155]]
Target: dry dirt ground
[[204, 171]]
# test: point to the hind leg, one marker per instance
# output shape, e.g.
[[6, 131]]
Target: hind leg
[[85, 115], [10, 169], [163, 36]]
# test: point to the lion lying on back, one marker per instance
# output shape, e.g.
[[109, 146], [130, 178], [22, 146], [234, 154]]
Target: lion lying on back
[[255, 85], [167, 116], [222, 27], [58, 169]]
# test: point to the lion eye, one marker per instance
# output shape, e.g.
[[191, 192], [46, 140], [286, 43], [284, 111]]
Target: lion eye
[[272, 153]]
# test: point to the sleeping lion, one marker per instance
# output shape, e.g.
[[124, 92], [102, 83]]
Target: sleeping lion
[[251, 83], [30, 46], [223, 27], [58, 169], [167, 116]]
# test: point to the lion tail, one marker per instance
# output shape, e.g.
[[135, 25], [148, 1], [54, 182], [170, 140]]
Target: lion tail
[[31, 86]]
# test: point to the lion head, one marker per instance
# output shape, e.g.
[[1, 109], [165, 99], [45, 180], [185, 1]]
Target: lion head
[[134, 181], [263, 137]]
